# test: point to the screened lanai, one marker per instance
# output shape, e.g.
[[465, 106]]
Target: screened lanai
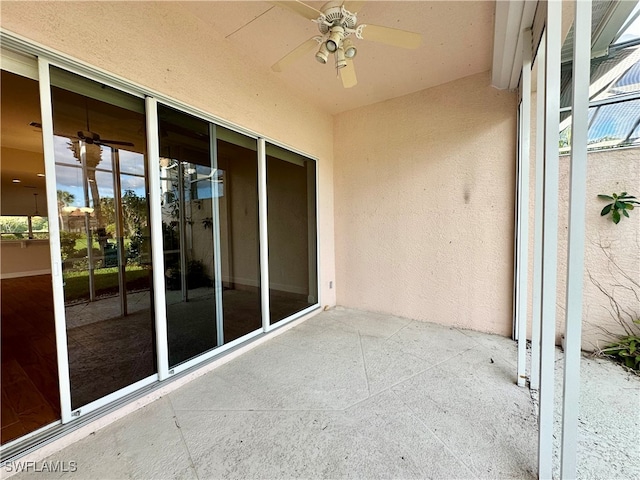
[[264, 200]]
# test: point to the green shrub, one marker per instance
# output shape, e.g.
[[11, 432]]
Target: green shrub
[[625, 350], [622, 203]]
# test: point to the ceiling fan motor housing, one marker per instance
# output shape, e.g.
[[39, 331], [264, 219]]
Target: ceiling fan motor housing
[[336, 15], [88, 136]]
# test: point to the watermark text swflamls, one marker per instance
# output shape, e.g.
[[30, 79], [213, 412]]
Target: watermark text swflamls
[[58, 466]]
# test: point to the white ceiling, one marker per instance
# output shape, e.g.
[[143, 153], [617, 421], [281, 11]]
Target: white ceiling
[[457, 42]]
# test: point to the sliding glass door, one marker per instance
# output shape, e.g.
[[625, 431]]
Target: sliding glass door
[[103, 215], [30, 390], [188, 183], [291, 213], [208, 184]]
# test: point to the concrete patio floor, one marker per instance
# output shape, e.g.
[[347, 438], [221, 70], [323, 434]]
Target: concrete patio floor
[[352, 394]]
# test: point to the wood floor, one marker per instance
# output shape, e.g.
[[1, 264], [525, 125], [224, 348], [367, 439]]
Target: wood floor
[[30, 395]]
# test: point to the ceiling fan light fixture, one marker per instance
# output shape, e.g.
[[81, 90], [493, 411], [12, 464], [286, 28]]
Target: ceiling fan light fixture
[[350, 49], [335, 38], [341, 61], [323, 54]]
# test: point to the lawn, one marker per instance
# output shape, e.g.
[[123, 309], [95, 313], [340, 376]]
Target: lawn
[[76, 284]]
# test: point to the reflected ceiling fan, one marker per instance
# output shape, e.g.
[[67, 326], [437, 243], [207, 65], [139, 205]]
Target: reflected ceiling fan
[[338, 23], [92, 138]]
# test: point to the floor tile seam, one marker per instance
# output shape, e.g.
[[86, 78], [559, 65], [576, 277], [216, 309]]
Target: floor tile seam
[[364, 365], [184, 442], [379, 392], [262, 410], [430, 367], [414, 415], [409, 322], [413, 354]]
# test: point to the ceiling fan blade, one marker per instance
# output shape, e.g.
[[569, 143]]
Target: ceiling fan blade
[[300, 8], [354, 6], [391, 36], [295, 54], [114, 142], [348, 75]]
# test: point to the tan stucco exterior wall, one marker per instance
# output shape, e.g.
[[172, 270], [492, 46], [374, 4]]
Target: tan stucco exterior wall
[[608, 172], [424, 189], [161, 47]]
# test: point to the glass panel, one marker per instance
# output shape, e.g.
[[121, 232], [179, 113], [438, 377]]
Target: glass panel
[[210, 225], [186, 174], [291, 205], [630, 31], [30, 390], [614, 125], [100, 146], [23, 227], [610, 126], [611, 76], [236, 188]]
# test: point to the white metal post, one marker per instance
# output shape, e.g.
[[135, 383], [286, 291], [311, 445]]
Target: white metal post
[[575, 253], [217, 256], [534, 377], [46, 112], [523, 203], [264, 233], [516, 228], [549, 238], [157, 247]]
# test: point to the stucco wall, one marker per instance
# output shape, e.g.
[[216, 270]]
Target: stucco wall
[[160, 46], [608, 172], [424, 189]]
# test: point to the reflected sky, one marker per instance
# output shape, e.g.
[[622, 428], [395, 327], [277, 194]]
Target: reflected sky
[[69, 172], [615, 121]]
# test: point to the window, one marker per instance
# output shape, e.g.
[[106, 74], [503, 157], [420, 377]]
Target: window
[[24, 227]]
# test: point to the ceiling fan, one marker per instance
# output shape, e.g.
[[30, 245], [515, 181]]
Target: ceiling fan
[[337, 23]]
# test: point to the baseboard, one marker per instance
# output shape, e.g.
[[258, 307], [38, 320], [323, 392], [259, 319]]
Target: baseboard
[[31, 273]]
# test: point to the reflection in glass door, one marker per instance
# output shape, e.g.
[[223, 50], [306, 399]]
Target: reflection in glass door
[[103, 213], [209, 187], [186, 184], [30, 390]]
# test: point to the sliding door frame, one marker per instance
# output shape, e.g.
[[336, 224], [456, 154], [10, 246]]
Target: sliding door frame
[[264, 241], [67, 412], [46, 114]]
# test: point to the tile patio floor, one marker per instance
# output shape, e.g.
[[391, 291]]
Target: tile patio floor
[[352, 394]]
